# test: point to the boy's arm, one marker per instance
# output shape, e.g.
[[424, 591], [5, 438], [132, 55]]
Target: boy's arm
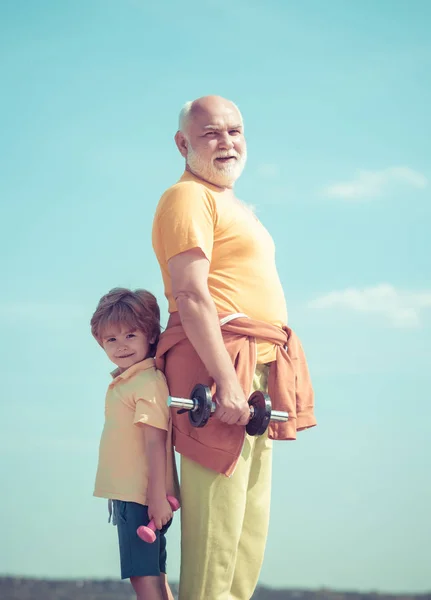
[[159, 508]]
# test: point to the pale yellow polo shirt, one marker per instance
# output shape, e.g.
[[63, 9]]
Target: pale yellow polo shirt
[[136, 399]]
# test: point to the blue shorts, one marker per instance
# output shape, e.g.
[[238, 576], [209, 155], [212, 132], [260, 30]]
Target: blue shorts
[[138, 558]]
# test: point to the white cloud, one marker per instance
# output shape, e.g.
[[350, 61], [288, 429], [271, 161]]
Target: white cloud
[[373, 184], [401, 308]]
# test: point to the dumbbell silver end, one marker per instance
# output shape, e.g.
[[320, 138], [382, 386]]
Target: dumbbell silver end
[[186, 403], [279, 416]]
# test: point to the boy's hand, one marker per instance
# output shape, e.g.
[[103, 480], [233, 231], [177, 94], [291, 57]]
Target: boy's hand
[[160, 511]]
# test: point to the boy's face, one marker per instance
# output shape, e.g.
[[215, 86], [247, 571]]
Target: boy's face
[[125, 347]]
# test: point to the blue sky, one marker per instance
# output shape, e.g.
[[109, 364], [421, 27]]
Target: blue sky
[[335, 97]]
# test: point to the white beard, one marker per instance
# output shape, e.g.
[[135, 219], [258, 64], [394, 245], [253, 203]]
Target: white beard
[[223, 175]]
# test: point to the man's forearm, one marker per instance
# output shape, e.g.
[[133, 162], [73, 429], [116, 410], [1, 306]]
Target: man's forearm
[[189, 271], [201, 324]]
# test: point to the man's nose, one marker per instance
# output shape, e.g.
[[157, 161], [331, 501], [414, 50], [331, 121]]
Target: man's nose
[[225, 141]]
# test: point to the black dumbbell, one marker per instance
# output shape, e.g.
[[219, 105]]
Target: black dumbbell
[[201, 406]]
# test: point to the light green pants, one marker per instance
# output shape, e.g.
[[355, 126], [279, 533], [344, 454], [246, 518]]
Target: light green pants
[[224, 522]]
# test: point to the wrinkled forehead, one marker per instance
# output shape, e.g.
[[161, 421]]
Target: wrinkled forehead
[[223, 117]]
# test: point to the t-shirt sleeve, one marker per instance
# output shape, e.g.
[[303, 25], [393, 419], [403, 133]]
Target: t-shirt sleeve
[[186, 220], [151, 407]]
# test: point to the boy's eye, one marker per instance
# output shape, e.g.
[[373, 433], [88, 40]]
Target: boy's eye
[[131, 335], [110, 340]]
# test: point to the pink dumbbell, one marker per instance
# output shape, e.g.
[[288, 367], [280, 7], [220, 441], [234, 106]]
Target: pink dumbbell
[[147, 532]]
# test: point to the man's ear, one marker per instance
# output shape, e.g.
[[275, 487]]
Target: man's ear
[[181, 143]]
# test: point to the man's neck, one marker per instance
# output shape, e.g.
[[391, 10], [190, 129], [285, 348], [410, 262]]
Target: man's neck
[[221, 188]]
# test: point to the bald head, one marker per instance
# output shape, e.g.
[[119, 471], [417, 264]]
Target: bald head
[[211, 139], [205, 108]]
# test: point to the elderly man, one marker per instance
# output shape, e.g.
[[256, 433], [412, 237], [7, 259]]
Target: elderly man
[[227, 329]]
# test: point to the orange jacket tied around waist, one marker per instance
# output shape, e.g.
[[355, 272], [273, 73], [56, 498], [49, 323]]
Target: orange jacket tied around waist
[[217, 446]]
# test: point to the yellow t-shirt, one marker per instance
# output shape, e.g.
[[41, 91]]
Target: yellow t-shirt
[[242, 277], [136, 397]]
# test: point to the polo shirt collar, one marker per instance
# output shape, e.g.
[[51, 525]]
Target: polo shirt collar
[[143, 365]]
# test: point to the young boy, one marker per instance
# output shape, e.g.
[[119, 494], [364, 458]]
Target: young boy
[[136, 469]]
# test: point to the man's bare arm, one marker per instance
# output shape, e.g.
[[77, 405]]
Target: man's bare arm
[[189, 274]]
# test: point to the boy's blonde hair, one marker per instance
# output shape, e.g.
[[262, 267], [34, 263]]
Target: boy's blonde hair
[[136, 309]]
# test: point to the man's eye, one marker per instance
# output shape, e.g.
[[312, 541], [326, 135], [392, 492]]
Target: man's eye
[[234, 132], [210, 133]]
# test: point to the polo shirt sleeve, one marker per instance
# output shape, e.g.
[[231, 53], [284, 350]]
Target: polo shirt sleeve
[[151, 407], [186, 220]]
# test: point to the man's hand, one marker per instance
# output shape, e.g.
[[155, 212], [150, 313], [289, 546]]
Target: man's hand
[[160, 511], [232, 406]]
